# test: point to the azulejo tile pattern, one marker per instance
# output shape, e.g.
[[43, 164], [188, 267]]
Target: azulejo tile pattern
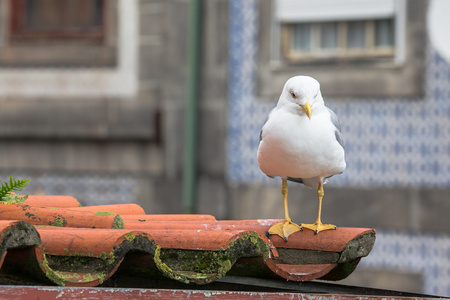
[[389, 142], [425, 254], [91, 188]]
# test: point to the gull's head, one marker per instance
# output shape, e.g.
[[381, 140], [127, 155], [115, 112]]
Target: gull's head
[[303, 91]]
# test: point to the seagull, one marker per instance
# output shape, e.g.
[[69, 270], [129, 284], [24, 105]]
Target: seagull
[[301, 141]]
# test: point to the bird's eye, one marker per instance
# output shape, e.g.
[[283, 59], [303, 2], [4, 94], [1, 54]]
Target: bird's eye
[[293, 94]]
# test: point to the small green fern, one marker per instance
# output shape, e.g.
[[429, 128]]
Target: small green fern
[[13, 186]]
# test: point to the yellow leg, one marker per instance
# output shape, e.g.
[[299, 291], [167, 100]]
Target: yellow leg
[[287, 227], [318, 226]]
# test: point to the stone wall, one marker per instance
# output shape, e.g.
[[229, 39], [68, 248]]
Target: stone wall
[[140, 139]]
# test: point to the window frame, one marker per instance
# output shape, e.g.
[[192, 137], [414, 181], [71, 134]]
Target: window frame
[[118, 80], [316, 52], [67, 50], [18, 31], [401, 77]]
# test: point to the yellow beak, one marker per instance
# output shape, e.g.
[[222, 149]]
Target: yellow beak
[[307, 109]]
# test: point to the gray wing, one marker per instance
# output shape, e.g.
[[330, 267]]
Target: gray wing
[[261, 134], [337, 132], [265, 121]]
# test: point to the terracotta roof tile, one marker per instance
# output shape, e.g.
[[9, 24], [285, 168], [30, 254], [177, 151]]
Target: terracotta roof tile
[[174, 217], [62, 217], [15, 234], [52, 201], [86, 246], [122, 209]]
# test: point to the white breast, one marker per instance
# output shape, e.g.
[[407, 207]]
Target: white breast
[[299, 147]]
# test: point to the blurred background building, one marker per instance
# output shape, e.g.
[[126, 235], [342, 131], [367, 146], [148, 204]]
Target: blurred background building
[[94, 104]]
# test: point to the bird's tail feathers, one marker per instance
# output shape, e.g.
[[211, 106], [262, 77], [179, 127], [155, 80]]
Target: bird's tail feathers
[[298, 180]]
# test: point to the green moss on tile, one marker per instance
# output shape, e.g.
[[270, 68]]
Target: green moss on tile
[[104, 213], [98, 266], [165, 269], [77, 263], [102, 256], [58, 223], [130, 236], [60, 277], [202, 267], [108, 258], [52, 275], [118, 223], [94, 276]]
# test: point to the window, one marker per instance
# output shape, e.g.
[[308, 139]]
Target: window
[[355, 48], [58, 33], [52, 19], [346, 29], [345, 39]]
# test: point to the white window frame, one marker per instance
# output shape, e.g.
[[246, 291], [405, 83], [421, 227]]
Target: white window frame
[[341, 50], [315, 11], [120, 81]]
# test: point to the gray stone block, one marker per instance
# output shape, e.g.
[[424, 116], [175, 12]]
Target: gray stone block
[[212, 197], [211, 141], [167, 197], [76, 118], [386, 279], [434, 210], [151, 61]]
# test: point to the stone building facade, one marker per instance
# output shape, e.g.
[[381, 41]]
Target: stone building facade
[[112, 130]]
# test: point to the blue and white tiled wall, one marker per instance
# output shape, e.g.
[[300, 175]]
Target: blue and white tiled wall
[[389, 142], [88, 189], [428, 255]]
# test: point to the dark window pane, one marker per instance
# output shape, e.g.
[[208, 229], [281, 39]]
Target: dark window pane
[[63, 14], [356, 34], [302, 37], [328, 35], [384, 33], [48, 18]]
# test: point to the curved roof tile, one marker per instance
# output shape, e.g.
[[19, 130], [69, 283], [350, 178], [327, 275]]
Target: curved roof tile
[[86, 246]]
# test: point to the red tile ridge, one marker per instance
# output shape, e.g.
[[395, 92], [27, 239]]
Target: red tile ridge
[[300, 272], [5, 224], [59, 216], [84, 241], [330, 240], [169, 217], [249, 225], [60, 201], [60, 241], [122, 209], [199, 239]]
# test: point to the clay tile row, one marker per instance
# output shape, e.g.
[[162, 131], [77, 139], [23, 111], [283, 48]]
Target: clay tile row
[[70, 245]]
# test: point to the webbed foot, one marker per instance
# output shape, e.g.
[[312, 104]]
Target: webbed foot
[[318, 226], [284, 229]]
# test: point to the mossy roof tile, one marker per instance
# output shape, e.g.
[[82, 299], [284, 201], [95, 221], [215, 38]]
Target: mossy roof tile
[[86, 246]]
